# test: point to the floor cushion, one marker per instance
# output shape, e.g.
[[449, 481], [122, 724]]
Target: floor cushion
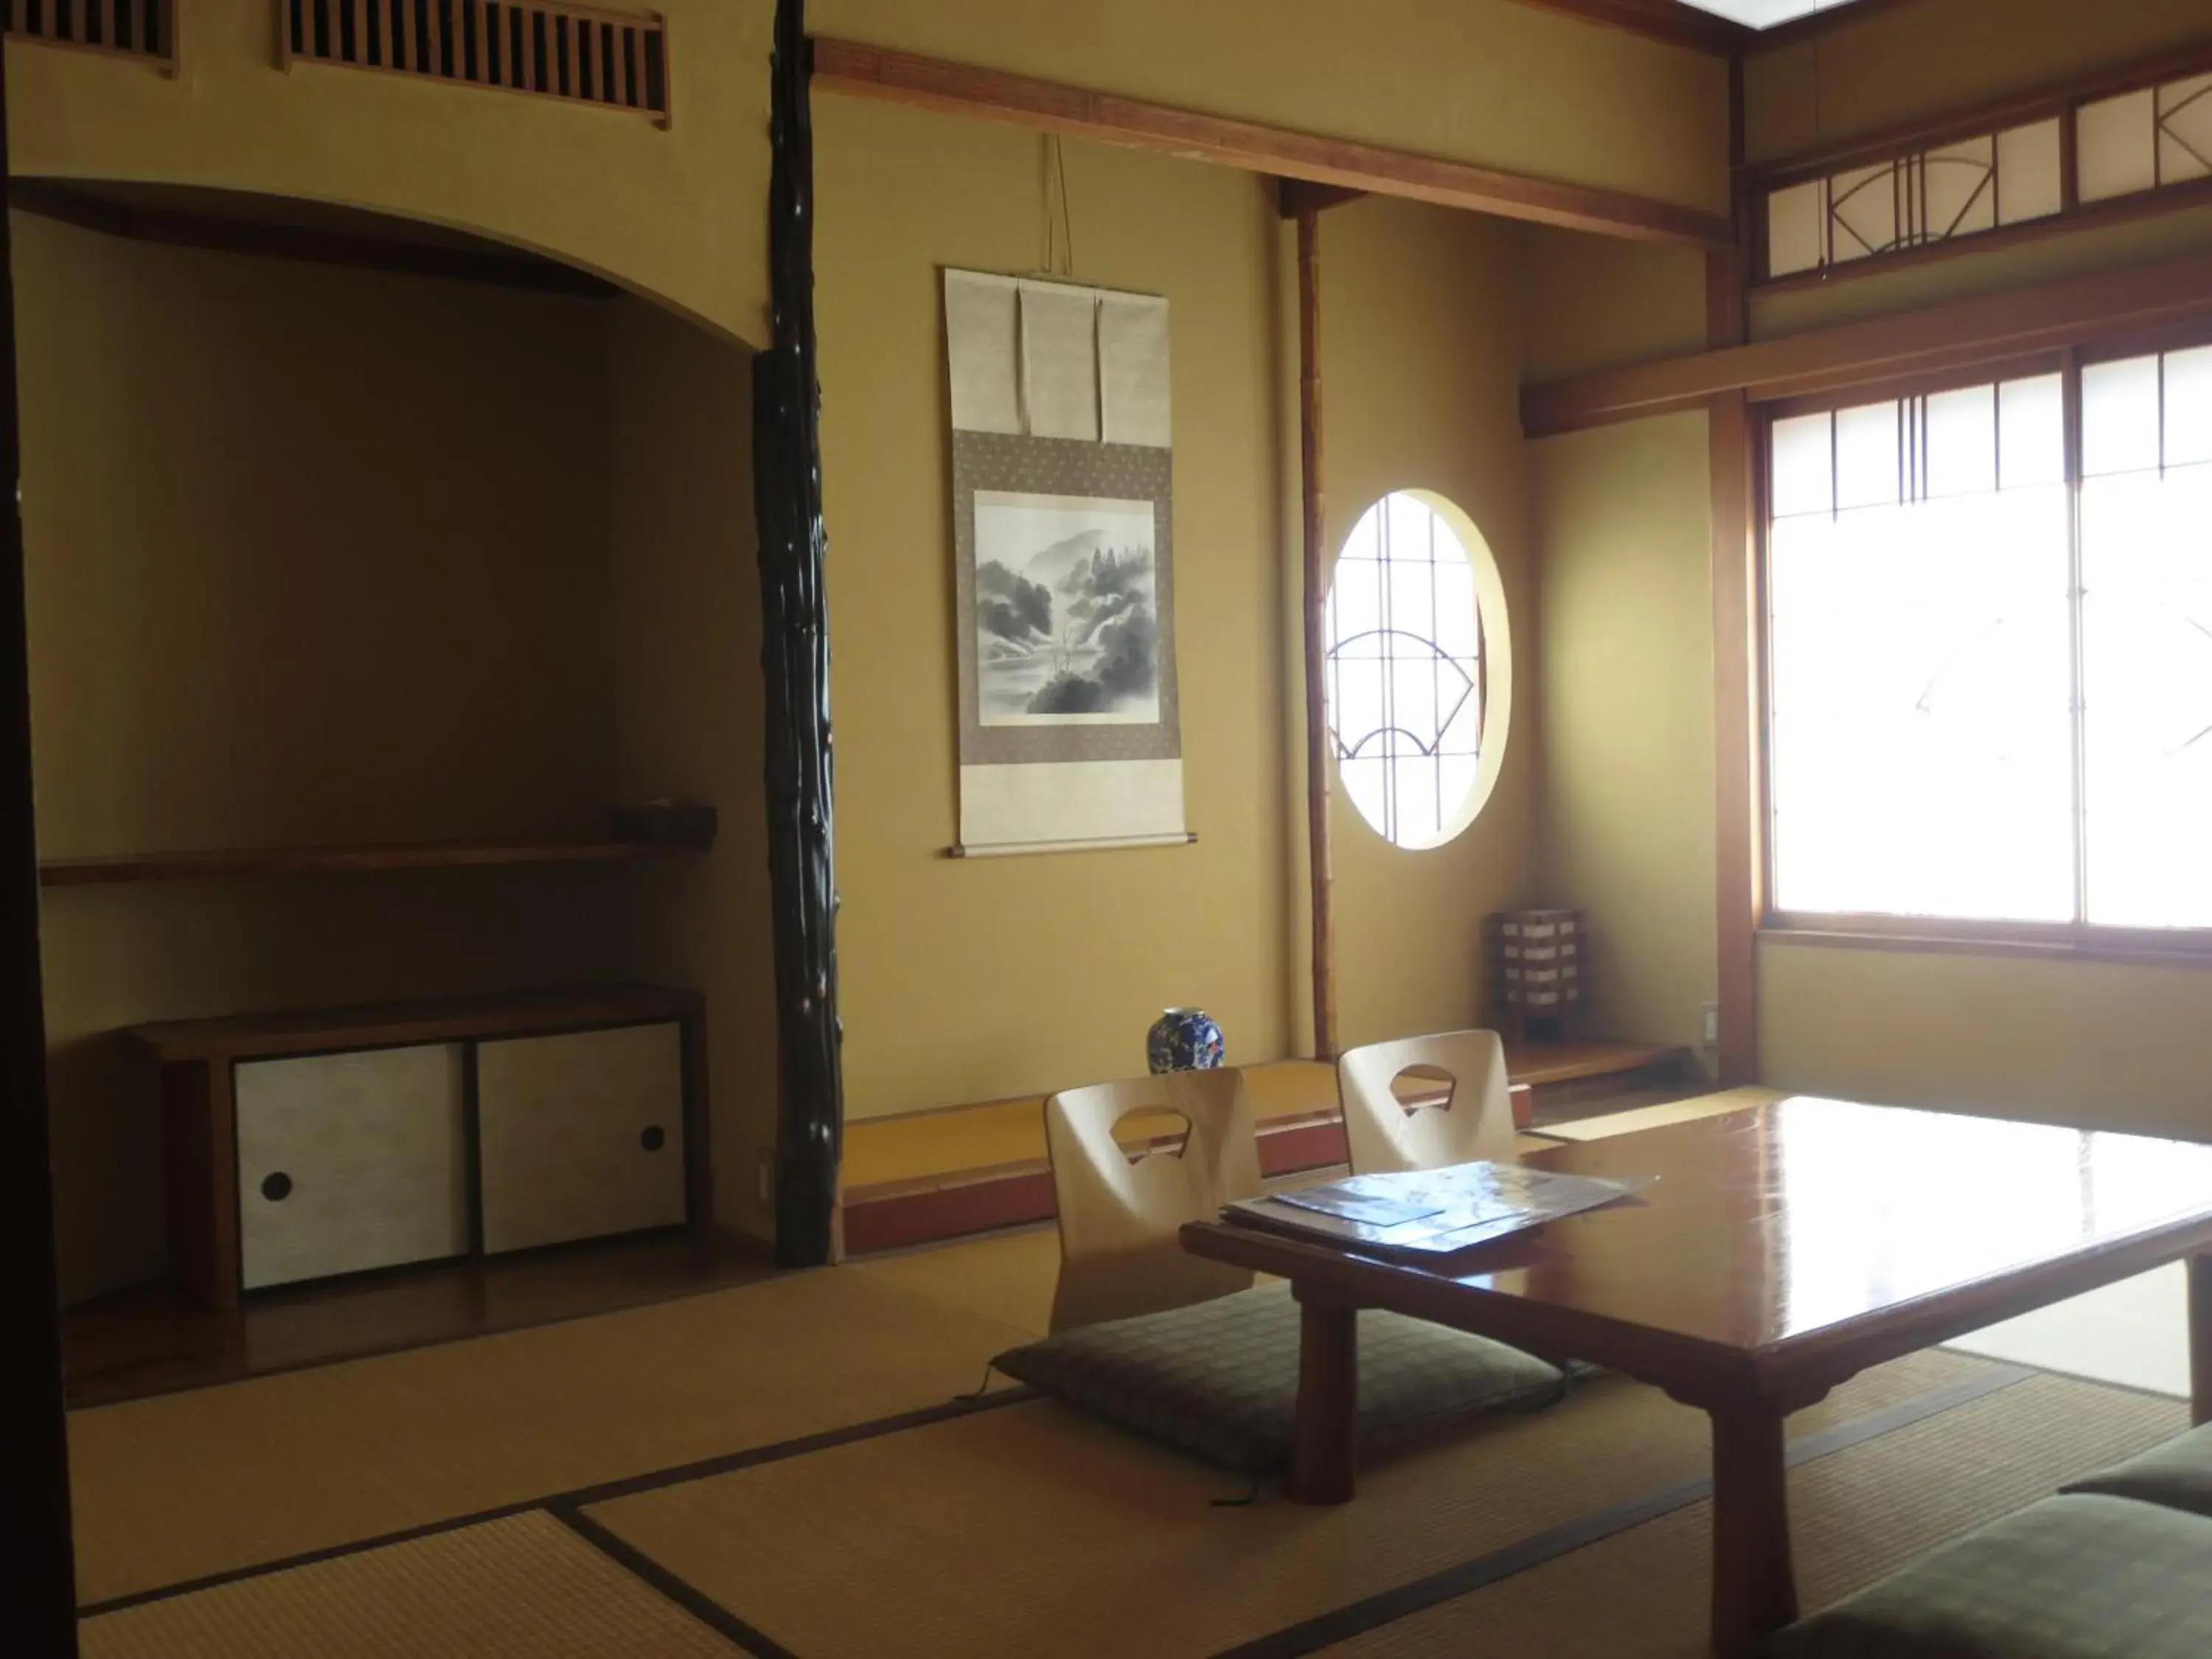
[[2178, 1474], [2079, 1577], [1219, 1379]]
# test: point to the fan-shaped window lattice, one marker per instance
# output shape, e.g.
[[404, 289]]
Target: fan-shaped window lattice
[[1407, 686]]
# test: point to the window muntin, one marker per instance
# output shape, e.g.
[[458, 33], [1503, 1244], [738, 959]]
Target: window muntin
[[1412, 719], [1990, 672]]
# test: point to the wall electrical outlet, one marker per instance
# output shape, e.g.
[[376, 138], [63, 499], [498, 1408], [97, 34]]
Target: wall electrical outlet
[[1711, 1025], [764, 1177]]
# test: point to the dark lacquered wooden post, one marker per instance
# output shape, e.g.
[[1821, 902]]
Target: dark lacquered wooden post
[[2200, 1339], [795, 665], [38, 1598], [1754, 1583], [1325, 1449]]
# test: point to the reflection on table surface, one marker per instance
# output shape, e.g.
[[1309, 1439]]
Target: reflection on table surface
[[1782, 1219]]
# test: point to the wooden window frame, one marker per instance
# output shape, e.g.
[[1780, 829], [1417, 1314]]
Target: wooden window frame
[[2061, 102], [2078, 940]]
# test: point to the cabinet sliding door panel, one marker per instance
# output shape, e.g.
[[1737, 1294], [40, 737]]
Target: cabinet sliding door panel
[[580, 1135], [350, 1161]]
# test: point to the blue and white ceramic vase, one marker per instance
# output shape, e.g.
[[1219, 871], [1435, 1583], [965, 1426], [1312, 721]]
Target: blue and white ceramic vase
[[1183, 1040]]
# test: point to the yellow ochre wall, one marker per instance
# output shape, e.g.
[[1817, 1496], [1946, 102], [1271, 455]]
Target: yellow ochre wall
[[1893, 64], [1495, 81], [1420, 379], [1627, 701], [313, 555], [976, 979], [677, 214], [688, 702], [1625, 639], [968, 979]]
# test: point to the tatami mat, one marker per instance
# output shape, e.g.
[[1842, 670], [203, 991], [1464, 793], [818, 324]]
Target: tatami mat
[[1009, 1276], [1855, 1515], [1033, 1529], [1653, 1117], [183, 1486], [525, 1587]]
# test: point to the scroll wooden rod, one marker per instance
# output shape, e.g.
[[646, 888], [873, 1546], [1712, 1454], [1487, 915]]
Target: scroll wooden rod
[[2077, 312], [1099, 844], [900, 77]]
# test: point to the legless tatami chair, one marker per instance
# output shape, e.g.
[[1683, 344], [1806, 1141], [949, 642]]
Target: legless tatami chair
[[1385, 1137], [1118, 1220]]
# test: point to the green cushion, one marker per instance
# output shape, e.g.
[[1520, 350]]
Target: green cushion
[[1219, 1379], [2178, 1474], [2073, 1577]]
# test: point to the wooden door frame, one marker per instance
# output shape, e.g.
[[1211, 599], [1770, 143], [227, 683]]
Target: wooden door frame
[[38, 1580]]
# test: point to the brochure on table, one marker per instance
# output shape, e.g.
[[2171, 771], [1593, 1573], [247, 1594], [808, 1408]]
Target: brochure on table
[[1430, 1212]]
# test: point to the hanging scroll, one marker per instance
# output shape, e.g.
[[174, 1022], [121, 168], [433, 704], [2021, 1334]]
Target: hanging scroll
[[1069, 735]]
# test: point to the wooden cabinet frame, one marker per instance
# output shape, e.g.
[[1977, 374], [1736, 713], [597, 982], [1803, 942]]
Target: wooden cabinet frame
[[197, 1060]]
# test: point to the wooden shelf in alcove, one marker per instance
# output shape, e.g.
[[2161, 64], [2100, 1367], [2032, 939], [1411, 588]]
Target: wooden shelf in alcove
[[249, 864]]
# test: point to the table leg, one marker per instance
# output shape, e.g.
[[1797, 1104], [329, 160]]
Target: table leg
[[1755, 1586], [1324, 1451], [2200, 1338]]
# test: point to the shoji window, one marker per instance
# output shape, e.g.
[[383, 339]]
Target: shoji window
[[1929, 196], [1921, 747], [1990, 650], [1407, 682], [2061, 154], [2142, 140]]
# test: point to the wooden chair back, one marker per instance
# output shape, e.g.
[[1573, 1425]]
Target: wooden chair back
[[1386, 1135], [1119, 1255]]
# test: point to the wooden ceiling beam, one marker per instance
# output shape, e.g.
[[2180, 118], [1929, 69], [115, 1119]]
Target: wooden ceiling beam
[[863, 71], [2079, 311]]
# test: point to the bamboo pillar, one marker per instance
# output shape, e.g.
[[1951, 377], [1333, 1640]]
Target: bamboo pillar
[[795, 666], [1315, 600]]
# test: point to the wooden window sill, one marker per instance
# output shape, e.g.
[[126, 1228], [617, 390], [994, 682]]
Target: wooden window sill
[[2182, 948]]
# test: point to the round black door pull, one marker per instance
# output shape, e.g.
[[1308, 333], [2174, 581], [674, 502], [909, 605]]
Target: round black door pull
[[654, 1139], [276, 1188]]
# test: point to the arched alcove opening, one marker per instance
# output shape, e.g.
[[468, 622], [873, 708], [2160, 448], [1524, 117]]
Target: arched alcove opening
[[349, 531]]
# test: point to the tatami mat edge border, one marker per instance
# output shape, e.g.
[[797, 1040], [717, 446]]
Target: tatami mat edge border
[[604, 1492], [1359, 1616], [643, 1568]]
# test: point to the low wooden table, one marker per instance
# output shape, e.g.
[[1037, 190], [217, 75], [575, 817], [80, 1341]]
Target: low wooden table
[[1782, 1250]]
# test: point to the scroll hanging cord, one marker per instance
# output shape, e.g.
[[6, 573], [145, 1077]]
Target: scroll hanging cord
[[1059, 237]]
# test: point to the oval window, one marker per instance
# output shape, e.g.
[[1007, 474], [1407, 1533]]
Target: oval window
[[1418, 669]]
